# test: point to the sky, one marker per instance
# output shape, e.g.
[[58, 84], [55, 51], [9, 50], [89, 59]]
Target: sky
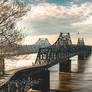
[[48, 18]]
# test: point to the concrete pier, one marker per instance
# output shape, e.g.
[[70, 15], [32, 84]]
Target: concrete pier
[[65, 66], [44, 82], [81, 57], [84, 54]]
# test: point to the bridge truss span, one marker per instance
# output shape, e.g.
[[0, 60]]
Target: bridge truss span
[[60, 51]]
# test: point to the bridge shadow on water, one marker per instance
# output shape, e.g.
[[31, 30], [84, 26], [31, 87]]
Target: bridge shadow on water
[[79, 80]]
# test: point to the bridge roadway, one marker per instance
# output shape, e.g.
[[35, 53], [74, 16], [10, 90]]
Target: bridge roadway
[[9, 74]]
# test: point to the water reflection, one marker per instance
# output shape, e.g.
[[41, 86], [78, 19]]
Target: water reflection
[[81, 65], [79, 80]]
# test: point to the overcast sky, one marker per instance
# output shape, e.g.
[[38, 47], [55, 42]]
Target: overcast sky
[[50, 17]]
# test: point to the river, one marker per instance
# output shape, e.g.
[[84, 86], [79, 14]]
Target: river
[[79, 80]]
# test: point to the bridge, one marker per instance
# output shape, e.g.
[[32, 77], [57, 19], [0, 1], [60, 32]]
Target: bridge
[[62, 50], [37, 76]]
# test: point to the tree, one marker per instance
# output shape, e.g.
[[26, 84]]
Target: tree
[[10, 13]]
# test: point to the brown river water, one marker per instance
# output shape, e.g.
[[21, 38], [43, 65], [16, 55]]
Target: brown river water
[[79, 80]]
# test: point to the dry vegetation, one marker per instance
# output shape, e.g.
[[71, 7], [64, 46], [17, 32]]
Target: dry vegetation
[[10, 13]]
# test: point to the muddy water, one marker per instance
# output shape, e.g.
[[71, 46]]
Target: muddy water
[[79, 80]]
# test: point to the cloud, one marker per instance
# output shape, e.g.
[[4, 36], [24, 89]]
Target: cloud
[[47, 18], [88, 21], [46, 10], [32, 39], [84, 27]]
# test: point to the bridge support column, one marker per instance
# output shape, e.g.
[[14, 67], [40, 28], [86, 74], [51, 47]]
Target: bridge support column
[[81, 57], [44, 81], [65, 66], [84, 56]]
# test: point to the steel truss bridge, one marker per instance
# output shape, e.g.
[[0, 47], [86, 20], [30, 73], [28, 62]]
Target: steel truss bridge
[[37, 76], [62, 50]]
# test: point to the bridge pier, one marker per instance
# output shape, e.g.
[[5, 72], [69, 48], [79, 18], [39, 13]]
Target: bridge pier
[[44, 81], [81, 57], [65, 66], [85, 55]]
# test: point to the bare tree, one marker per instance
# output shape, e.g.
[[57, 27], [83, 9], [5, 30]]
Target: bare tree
[[10, 13]]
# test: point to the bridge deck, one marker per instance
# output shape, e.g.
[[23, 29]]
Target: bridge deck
[[10, 73]]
